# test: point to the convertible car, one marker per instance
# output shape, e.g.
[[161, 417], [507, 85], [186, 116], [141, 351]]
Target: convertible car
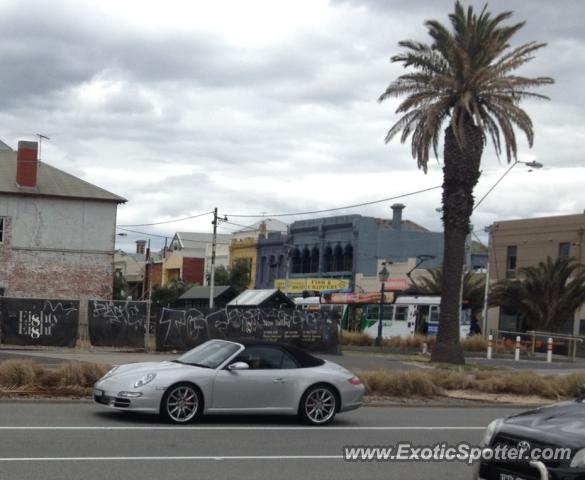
[[241, 377]]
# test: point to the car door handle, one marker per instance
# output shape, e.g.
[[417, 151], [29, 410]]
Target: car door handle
[[279, 380]]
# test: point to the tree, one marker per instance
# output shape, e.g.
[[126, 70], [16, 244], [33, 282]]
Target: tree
[[545, 296], [168, 295], [240, 274], [465, 79], [121, 289], [473, 287], [222, 276]]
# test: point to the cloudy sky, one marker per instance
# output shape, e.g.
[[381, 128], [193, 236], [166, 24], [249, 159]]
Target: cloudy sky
[[265, 106]]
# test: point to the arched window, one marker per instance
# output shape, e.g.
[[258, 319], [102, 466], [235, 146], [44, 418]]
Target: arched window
[[328, 259], [348, 258], [262, 269], [281, 266], [272, 270], [306, 261], [296, 261], [314, 260], [338, 259]]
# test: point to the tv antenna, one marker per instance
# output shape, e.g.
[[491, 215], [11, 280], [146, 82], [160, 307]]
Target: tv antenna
[[41, 137]]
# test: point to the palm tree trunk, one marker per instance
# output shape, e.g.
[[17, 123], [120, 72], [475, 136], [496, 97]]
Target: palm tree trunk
[[460, 175]]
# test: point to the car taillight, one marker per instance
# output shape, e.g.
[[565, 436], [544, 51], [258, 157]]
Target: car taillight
[[355, 381]]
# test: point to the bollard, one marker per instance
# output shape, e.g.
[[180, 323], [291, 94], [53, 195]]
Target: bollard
[[517, 351], [549, 348], [490, 344], [425, 348]]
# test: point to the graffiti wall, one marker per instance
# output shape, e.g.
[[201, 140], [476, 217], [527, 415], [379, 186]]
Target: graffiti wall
[[116, 323], [25, 321], [184, 329]]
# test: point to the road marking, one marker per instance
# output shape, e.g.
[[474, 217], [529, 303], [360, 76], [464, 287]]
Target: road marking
[[179, 428], [232, 457]]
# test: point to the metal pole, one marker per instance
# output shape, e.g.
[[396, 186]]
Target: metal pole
[[213, 245], [487, 287], [287, 253], [379, 337], [149, 304]]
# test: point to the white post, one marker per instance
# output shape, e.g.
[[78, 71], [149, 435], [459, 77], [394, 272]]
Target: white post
[[517, 351], [549, 350], [490, 345]]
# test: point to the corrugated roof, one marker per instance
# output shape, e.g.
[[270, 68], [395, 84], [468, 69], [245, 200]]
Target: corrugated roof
[[199, 293], [252, 297], [51, 182], [190, 239]]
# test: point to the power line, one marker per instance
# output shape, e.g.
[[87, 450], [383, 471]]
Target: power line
[[184, 240], [271, 215], [167, 221]]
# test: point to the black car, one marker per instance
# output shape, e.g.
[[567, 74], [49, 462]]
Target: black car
[[560, 426]]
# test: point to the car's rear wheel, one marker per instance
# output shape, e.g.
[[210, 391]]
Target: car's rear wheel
[[181, 403], [318, 405]]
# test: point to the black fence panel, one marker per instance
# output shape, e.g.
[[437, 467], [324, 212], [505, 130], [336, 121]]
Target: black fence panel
[[26, 321], [185, 329], [116, 323]]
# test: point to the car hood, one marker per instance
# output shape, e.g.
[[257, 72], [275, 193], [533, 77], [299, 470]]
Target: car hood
[[139, 369], [560, 424]]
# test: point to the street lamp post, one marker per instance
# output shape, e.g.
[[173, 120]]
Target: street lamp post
[[383, 276]]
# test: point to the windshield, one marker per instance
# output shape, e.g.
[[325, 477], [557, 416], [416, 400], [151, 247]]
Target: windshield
[[210, 354]]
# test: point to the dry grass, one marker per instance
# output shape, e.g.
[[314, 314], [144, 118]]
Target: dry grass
[[476, 343], [74, 378], [398, 384], [430, 383], [361, 339]]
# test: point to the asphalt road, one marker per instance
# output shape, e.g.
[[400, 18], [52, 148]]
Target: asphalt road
[[72, 441]]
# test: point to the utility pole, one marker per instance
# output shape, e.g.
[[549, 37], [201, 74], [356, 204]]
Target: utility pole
[[149, 304], [487, 285], [213, 246]]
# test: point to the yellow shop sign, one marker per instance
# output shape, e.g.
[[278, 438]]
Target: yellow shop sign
[[298, 285]]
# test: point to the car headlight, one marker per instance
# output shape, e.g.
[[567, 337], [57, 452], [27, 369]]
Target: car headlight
[[110, 372], [579, 459], [149, 377], [491, 431]]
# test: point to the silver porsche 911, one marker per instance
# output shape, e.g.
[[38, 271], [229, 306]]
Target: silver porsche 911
[[243, 377]]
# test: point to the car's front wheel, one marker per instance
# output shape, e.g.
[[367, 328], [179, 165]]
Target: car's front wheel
[[181, 403], [318, 405]]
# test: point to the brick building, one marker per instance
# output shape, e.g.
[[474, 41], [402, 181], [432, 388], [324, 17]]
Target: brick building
[[56, 231], [526, 242]]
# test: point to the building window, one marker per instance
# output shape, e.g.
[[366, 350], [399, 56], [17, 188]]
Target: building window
[[273, 270], [511, 257], [296, 261], [564, 250], [328, 260], [306, 261], [1, 229], [314, 260], [348, 258], [2, 291], [338, 259]]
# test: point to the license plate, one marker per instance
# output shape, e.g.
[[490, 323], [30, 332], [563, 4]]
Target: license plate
[[507, 476], [98, 393]]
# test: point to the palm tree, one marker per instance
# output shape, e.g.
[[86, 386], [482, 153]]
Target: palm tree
[[545, 296], [473, 287], [464, 79]]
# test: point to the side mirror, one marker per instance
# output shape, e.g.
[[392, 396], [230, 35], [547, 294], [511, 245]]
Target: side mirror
[[238, 366]]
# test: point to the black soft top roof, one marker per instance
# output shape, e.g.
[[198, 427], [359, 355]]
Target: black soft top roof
[[303, 358]]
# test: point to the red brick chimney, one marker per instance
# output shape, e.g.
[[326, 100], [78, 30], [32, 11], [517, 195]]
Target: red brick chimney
[[27, 164], [140, 246]]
